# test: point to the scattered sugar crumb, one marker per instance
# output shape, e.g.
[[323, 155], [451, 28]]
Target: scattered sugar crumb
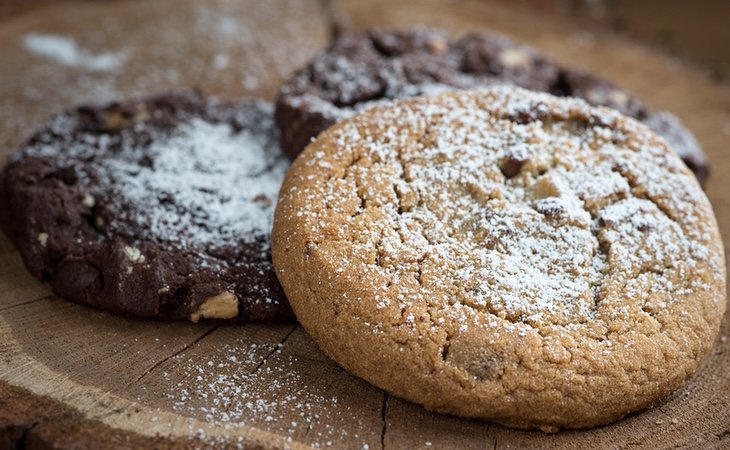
[[66, 51]]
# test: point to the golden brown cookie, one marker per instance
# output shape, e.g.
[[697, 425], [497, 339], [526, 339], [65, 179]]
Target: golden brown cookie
[[503, 254]]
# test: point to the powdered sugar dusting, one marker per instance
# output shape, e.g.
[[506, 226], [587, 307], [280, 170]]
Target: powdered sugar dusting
[[208, 184], [267, 384]]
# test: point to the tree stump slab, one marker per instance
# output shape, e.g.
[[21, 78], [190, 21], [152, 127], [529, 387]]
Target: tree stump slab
[[73, 377]]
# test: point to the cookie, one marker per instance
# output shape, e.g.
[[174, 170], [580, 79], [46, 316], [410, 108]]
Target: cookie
[[359, 71], [682, 140], [503, 254], [158, 208]]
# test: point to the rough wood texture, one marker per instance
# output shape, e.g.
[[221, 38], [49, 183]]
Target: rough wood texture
[[74, 377]]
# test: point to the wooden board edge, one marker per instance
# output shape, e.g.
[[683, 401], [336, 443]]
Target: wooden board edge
[[31, 421]]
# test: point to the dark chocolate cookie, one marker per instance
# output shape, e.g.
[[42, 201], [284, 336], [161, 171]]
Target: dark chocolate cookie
[[158, 208], [361, 70]]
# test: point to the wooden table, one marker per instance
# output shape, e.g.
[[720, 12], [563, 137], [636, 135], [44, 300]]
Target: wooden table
[[71, 377]]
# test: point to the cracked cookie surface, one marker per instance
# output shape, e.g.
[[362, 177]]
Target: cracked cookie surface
[[503, 254], [359, 71], [160, 208]]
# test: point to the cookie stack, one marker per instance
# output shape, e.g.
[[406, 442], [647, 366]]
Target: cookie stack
[[485, 250]]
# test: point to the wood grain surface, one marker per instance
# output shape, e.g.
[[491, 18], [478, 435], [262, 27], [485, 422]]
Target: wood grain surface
[[72, 377]]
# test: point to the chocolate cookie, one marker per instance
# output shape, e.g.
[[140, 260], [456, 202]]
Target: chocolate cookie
[[361, 70], [157, 208], [503, 254]]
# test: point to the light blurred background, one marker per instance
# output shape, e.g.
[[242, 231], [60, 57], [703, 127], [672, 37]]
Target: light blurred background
[[694, 30]]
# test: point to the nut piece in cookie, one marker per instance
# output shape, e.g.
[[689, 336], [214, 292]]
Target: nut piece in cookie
[[221, 306], [503, 254], [43, 239]]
